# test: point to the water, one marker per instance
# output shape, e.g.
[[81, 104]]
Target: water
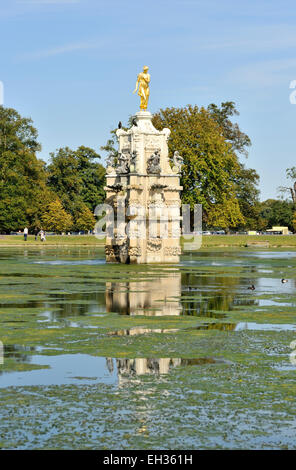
[[123, 354]]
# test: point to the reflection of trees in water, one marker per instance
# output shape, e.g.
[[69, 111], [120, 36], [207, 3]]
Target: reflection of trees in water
[[17, 352], [30, 304], [202, 294], [64, 305], [216, 326], [206, 296]]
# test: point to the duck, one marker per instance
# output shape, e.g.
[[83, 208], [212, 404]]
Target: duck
[[284, 281], [252, 287]]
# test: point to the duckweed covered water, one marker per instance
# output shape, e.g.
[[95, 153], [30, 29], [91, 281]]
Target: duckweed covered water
[[103, 356]]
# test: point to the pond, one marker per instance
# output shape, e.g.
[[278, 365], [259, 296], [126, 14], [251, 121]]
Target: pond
[[185, 356]]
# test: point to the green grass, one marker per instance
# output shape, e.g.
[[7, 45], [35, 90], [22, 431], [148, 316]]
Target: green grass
[[274, 241], [51, 240]]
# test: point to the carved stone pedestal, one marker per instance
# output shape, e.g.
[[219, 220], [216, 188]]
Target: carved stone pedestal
[[143, 193]]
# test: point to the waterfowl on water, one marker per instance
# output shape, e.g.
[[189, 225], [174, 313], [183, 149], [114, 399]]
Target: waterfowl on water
[[252, 287], [284, 281]]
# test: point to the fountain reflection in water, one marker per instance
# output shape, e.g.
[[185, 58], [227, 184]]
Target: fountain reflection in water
[[129, 368], [152, 297]]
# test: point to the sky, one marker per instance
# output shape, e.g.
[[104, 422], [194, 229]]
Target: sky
[[71, 65]]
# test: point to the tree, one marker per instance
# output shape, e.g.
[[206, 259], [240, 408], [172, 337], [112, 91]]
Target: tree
[[56, 219], [294, 221], [291, 175], [22, 176], [77, 178], [274, 212], [210, 164], [231, 131], [247, 192]]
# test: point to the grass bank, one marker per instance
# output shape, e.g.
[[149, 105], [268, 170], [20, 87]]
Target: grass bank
[[208, 241], [51, 240], [256, 241]]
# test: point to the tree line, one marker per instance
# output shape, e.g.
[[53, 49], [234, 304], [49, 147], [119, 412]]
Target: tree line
[[57, 196], [61, 195]]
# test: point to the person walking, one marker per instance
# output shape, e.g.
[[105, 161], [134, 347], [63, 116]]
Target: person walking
[[26, 231]]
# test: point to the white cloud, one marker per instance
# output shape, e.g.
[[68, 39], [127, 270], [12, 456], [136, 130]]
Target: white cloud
[[62, 50], [265, 73], [48, 2], [255, 39]]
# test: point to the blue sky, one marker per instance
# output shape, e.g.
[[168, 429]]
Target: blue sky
[[71, 65]]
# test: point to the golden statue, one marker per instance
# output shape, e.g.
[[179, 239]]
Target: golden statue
[[143, 83]]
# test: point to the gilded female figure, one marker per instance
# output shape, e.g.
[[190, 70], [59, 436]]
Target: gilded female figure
[[143, 91]]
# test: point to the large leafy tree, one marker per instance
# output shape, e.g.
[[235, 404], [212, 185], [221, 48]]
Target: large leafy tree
[[222, 115], [78, 179], [210, 164], [23, 191], [247, 179], [213, 175]]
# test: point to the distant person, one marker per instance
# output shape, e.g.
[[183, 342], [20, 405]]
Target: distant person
[[26, 231], [42, 236], [36, 233]]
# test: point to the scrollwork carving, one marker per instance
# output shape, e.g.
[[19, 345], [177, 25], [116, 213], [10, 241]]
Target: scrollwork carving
[[154, 244], [135, 251]]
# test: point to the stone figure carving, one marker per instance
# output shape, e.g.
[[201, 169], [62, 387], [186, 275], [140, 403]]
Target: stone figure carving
[[133, 161], [178, 161], [153, 163], [115, 187], [143, 80], [122, 163], [111, 160]]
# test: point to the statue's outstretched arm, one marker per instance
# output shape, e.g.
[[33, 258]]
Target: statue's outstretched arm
[[136, 86], [138, 78]]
